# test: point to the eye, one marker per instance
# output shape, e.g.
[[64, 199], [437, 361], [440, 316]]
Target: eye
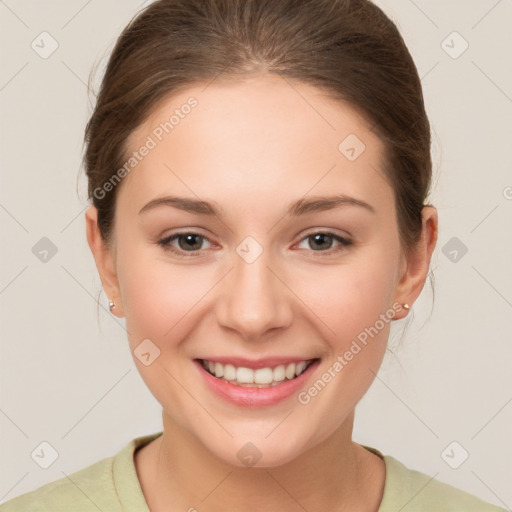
[[323, 241], [192, 243], [187, 242]]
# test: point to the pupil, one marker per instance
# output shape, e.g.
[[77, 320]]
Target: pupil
[[321, 238], [190, 242]]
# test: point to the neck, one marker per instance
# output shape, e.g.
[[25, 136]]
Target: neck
[[179, 473]]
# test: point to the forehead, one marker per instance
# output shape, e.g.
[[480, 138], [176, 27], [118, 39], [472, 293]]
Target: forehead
[[263, 137]]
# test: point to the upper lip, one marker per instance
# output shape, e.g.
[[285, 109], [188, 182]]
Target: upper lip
[[257, 363]]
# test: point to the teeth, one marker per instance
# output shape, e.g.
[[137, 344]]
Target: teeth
[[262, 377], [218, 370], [290, 371], [278, 373], [229, 372], [244, 375], [299, 368]]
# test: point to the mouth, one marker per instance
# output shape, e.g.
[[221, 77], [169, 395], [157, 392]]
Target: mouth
[[260, 377]]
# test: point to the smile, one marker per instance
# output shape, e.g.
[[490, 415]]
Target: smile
[[256, 378]]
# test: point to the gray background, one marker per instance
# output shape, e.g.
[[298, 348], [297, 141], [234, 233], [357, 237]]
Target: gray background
[[67, 376]]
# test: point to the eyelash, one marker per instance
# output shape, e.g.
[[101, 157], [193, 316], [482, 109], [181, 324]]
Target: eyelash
[[166, 243]]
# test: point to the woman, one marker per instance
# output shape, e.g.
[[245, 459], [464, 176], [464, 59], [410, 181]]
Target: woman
[[258, 172]]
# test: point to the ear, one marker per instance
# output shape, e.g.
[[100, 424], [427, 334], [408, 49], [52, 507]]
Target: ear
[[104, 257], [416, 264]]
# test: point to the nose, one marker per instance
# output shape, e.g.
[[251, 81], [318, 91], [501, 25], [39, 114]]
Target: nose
[[254, 299]]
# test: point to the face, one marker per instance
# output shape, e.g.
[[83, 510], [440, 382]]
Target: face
[[255, 233]]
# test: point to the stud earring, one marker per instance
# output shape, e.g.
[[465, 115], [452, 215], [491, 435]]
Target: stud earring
[[406, 306], [111, 305]]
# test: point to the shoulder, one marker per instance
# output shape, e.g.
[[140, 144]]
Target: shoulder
[[109, 485], [412, 491], [83, 491]]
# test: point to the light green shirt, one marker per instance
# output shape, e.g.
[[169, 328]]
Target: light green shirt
[[111, 485]]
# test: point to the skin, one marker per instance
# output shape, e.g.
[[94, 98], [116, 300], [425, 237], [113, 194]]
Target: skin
[[252, 148]]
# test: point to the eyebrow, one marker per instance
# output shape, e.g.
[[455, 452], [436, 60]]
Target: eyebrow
[[300, 207]]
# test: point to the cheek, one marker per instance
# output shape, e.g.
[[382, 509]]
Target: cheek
[[349, 297], [158, 296], [353, 304], [160, 303]]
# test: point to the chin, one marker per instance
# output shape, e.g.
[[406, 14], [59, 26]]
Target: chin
[[247, 452]]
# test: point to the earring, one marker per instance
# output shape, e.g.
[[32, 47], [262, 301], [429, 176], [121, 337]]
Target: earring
[[406, 306], [111, 305]]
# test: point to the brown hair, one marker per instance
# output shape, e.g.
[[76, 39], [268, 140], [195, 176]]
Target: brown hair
[[348, 47]]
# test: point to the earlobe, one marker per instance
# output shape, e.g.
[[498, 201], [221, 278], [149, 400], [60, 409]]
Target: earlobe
[[418, 260], [105, 261]]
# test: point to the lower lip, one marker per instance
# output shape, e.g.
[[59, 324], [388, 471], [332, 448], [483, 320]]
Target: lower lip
[[256, 397]]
